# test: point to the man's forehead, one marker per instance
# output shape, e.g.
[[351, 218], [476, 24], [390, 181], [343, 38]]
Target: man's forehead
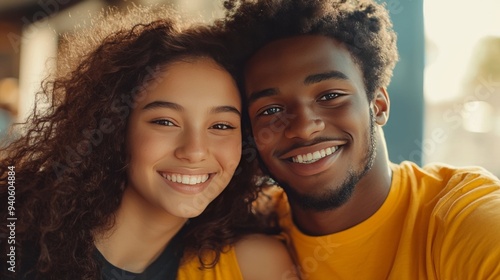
[[306, 54], [302, 47]]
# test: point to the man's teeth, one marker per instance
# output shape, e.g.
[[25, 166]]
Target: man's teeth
[[313, 157], [186, 179]]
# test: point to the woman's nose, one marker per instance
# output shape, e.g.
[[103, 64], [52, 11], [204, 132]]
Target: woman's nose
[[194, 147]]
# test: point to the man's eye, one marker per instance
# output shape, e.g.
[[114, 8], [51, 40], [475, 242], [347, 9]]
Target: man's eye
[[222, 126], [163, 122], [329, 96], [272, 111]]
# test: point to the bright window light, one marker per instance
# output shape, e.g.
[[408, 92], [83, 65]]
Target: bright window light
[[452, 30]]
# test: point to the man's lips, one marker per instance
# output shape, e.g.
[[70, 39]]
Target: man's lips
[[314, 156], [311, 154]]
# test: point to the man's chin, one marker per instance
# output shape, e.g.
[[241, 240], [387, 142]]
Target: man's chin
[[329, 199]]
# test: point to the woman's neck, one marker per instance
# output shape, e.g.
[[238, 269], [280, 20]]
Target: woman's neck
[[139, 235]]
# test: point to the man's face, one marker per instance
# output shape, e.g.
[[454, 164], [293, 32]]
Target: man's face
[[311, 119]]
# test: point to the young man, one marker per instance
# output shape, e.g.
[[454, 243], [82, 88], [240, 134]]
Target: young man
[[314, 74]]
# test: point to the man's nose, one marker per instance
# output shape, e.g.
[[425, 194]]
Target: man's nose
[[305, 124]]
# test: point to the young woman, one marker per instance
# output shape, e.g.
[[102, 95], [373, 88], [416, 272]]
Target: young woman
[[129, 173]]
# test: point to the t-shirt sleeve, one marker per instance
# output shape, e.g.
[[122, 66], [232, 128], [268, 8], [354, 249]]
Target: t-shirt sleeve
[[465, 229]]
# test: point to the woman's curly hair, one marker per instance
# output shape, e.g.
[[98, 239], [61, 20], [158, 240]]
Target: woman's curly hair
[[70, 162], [363, 26]]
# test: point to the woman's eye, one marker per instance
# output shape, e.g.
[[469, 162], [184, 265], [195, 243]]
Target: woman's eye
[[222, 126], [271, 111], [329, 96], [163, 122]]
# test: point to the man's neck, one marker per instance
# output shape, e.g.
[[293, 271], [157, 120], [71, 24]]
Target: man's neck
[[368, 196]]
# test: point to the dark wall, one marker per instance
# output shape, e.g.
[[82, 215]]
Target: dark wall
[[404, 131]]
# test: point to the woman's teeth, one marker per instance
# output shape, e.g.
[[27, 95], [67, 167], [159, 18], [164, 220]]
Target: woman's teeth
[[186, 179]]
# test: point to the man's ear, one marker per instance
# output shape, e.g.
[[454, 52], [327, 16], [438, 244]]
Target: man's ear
[[381, 105]]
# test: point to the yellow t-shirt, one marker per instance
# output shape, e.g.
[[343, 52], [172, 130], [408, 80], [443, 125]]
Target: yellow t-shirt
[[437, 222], [226, 268]]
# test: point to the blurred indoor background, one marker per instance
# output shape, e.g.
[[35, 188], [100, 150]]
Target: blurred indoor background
[[445, 93]]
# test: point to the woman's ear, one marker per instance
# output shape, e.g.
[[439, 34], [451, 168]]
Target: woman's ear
[[380, 106]]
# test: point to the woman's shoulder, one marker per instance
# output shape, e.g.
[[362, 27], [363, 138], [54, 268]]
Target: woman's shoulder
[[194, 268], [264, 257], [254, 257]]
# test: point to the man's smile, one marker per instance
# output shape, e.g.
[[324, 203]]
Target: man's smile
[[315, 156]]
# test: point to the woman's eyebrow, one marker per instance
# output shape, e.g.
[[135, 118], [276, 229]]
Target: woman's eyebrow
[[163, 104], [174, 106], [224, 109]]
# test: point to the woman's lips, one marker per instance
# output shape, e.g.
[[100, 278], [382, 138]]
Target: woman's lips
[[186, 179], [189, 184]]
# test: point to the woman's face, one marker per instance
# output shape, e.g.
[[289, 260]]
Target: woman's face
[[184, 138]]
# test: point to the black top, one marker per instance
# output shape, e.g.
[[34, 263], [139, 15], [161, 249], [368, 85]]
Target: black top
[[164, 267]]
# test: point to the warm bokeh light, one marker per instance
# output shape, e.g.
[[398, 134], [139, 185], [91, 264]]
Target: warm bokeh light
[[479, 118], [462, 82], [453, 29]]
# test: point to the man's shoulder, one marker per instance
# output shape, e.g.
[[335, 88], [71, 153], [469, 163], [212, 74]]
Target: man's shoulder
[[445, 173], [448, 189], [443, 167], [464, 226], [466, 178], [468, 189]]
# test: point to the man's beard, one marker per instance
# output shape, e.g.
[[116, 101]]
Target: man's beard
[[336, 196]]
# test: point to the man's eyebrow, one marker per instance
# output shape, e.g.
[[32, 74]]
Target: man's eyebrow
[[163, 104], [254, 96], [316, 78], [224, 109], [311, 79]]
